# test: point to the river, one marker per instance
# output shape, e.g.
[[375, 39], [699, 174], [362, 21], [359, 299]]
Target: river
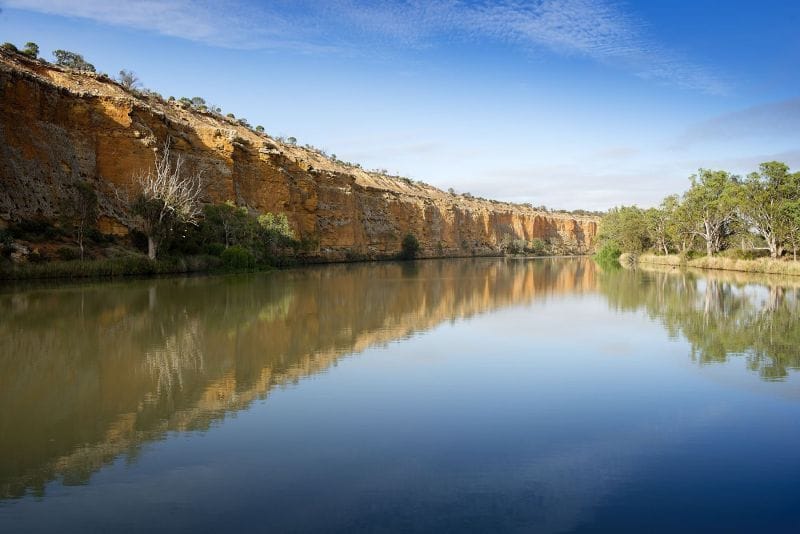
[[502, 395]]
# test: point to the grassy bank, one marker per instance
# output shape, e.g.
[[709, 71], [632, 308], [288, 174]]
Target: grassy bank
[[111, 268], [759, 265]]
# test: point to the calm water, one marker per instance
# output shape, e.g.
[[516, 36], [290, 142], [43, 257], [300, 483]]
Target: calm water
[[446, 396]]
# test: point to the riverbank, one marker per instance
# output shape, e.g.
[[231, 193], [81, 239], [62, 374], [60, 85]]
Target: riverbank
[[759, 265], [111, 268], [141, 266]]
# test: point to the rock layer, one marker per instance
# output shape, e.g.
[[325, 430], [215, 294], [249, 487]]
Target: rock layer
[[58, 127]]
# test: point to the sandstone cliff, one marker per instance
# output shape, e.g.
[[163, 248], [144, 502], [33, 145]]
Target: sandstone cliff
[[58, 127]]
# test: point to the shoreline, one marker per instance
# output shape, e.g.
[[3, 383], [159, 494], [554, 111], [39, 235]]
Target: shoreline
[[716, 263], [140, 267]]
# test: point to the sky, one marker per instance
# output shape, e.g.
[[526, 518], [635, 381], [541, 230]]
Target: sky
[[572, 104]]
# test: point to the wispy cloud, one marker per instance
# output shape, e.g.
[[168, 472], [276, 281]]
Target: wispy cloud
[[766, 121], [595, 29], [232, 24]]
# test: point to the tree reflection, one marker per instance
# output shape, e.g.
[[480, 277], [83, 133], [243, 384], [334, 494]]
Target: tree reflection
[[721, 315]]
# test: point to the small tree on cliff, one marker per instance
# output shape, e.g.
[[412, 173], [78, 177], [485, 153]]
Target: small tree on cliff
[[31, 50], [65, 58], [80, 213], [128, 79], [166, 196]]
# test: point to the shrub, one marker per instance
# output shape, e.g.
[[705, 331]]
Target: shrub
[[608, 253], [237, 257], [538, 246], [215, 249], [68, 253], [409, 247], [34, 230], [9, 47]]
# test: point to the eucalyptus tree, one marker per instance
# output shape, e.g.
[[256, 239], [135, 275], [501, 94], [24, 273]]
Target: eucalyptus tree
[[626, 227], [680, 227], [166, 196], [765, 204], [710, 206]]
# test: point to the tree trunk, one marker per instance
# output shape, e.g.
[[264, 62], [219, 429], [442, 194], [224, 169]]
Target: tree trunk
[[709, 248], [151, 247]]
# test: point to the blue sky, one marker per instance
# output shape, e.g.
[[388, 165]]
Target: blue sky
[[571, 103]]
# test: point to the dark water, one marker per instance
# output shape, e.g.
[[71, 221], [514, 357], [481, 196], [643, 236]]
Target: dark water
[[437, 396]]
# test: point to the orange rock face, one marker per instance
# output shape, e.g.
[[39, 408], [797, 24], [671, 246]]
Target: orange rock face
[[59, 127]]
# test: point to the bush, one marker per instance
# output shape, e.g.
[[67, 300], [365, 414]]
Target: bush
[[215, 249], [68, 253], [237, 257], [34, 230], [538, 246], [739, 254], [608, 253], [409, 247]]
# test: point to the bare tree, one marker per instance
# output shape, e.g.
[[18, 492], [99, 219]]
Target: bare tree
[[166, 196], [128, 79], [80, 213]]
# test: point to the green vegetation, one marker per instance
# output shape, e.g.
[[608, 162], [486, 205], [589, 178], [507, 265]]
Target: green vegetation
[[535, 247], [31, 50], [132, 265], [72, 60], [608, 253], [409, 248], [721, 215]]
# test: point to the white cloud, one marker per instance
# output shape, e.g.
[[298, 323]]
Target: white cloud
[[594, 29]]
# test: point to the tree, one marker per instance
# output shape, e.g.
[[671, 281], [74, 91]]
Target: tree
[[227, 223], [291, 140], [260, 129], [198, 101], [80, 213], [657, 220], [31, 50], [9, 47], [792, 221], [409, 248], [71, 60], [764, 201], [276, 231], [166, 196], [626, 227], [680, 228], [710, 206], [128, 79]]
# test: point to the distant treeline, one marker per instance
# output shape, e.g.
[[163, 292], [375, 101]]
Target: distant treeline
[[720, 213]]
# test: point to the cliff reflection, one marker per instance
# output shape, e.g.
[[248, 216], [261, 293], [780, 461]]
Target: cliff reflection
[[722, 315], [93, 372]]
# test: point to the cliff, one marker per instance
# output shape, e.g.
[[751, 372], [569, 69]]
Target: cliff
[[58, 127]]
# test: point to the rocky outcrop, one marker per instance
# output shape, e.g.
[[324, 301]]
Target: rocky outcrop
[[58, 127]]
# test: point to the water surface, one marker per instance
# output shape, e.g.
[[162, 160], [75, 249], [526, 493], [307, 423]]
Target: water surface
[[455, 395]]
